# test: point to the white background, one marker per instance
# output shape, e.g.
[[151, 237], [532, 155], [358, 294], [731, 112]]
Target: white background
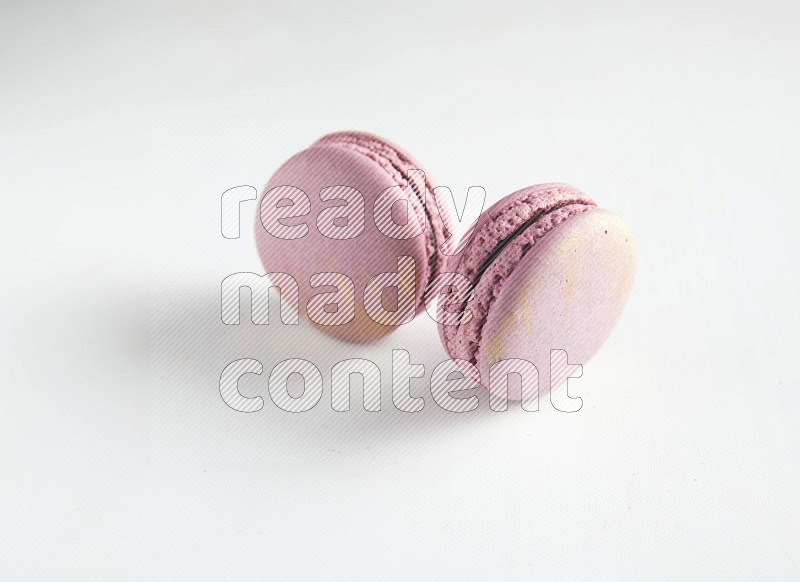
[[122, 125]]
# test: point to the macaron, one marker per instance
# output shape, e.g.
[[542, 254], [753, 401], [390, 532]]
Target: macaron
[[354, 221], [549, 270]]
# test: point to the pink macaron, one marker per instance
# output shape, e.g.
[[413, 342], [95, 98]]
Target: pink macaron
[[549, 270], [354, 221]]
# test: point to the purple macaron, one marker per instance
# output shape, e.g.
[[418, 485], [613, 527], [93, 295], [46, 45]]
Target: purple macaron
[[549, 271], [355, 223]]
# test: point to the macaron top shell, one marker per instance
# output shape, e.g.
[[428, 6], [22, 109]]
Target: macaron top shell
[[371, 166]]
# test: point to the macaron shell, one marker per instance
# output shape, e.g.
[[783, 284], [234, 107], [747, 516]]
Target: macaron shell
[[502, 218], [464, 341], [567, 293], [495, 227], [359, 258], [397, 162]]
